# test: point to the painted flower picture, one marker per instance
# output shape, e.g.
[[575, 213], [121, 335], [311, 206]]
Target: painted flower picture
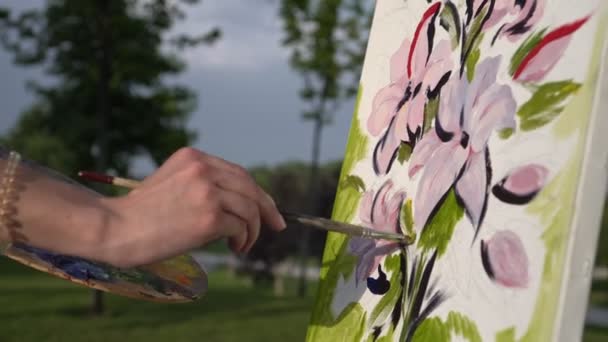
[[431, 157]]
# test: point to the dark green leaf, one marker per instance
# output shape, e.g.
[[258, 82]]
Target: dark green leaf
[[434, 329], [438, 232], [449, 20], [545, 104], [430, 112], [407, 218], [355, 182], [405, 151], [506, 133]]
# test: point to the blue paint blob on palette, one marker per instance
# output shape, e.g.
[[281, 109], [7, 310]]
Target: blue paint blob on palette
[[180, 279]]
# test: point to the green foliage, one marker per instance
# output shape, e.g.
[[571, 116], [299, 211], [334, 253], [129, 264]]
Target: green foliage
[[109, 103], [327, 39], [438, 232], [434, 329], [449, 21], [407, 218], [545, 104], [231, 311], [507, 335], [404, 153], [506, 133]]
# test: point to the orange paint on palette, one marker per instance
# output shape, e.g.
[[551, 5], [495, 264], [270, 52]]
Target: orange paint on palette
[[182, 279]]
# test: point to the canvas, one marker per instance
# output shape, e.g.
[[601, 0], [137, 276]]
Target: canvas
[[478, 130]]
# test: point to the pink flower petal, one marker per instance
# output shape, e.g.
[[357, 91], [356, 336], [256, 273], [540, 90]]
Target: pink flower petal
[[452, 101], [423, 151], [440, 62], [495, 110], [384, 108], [522, 184], [411, 118], [379, 213], [386, 151], [505, 260], [419, 52], [399, 61], [500, 9], [543, 57], [365, 208], [527, 16], [472, 187], [485, 77], [438, 176]]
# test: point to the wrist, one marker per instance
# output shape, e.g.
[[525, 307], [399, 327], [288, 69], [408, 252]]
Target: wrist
[[106, 231]]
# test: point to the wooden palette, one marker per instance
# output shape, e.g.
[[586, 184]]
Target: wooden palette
[[180, 279]]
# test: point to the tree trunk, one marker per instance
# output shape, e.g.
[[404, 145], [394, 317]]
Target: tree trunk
[[104, 65], [312, 196]]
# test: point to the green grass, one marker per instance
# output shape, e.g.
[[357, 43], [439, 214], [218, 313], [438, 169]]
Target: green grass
[[38, 307]]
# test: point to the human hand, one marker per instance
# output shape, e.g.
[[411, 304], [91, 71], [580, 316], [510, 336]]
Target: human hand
[[192, 199]]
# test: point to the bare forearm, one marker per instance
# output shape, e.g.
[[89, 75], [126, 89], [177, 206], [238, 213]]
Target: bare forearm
[[55, 213]]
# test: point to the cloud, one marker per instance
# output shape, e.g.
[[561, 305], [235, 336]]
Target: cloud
[[251, 34]]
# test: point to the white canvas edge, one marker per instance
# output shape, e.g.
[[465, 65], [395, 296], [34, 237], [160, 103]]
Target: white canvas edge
[[589, 204]]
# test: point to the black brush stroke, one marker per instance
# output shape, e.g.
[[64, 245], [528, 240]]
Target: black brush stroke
[[398, 309], [467, 51], [379, 146], [454, 13], [509, 197], [411, 283], [424, 281], [469, 11], [442, 134], [484, 207], [436, 299], [522, 26], [485, 260], [430, 35], [432, 94], [497, 34], [375, 200]]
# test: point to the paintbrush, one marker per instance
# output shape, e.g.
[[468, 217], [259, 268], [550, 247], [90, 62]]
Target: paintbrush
[[305, 220]]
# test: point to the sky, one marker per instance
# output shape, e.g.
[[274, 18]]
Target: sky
[[248, 106]]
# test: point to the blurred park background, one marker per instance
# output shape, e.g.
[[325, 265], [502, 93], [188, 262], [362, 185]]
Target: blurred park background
[[119, 85]]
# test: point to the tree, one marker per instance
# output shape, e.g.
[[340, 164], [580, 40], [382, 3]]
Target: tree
[[327, 39], [287, 183], [109, 103]]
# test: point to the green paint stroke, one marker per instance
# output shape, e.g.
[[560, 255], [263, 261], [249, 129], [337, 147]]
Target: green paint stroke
[[351, 326], [506, 133], [407, 218], [438, 232], [507, 335], [355, 182], [336, 261], [544, 106], [430, 112], [524, 49], [473, 58], [449, 21], [434, 329], [405, 151], [555, 204]]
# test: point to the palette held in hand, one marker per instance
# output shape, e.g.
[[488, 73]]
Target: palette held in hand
[[179, 279]]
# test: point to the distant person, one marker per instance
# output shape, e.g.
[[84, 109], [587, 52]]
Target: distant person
[[193, 199]]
